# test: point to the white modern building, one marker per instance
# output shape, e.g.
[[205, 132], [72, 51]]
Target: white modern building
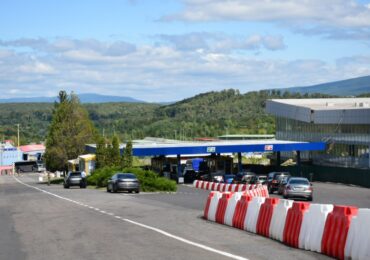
[[342, 123]]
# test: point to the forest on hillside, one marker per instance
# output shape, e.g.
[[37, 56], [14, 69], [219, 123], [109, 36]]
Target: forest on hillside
[[205, 115]]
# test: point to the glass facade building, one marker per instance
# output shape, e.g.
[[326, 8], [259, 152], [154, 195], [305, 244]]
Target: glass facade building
[[343, 125]]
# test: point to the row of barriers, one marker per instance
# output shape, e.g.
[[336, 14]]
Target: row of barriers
[[341, 232], [223, 187]]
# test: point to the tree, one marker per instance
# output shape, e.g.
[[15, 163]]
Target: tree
[[70, 130], [127, 155], [101, 152], [115, 154]]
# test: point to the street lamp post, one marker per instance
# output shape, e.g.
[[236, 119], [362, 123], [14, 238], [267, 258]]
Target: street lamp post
[[18, 135]]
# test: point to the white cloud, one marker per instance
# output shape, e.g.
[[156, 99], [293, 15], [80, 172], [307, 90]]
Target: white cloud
[[335, 12], [332, 15], [60, 45], [222, 43], [160, 72], [37, 68]]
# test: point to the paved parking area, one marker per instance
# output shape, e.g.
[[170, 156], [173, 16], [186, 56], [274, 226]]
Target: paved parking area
[[341, 194], [325, 193]]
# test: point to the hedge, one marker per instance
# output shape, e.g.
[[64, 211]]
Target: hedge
[[149, 180]]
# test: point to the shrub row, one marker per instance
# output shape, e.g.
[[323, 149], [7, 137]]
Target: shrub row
[[149, 180], [56, 180]]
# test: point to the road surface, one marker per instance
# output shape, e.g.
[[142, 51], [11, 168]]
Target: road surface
[[48, 222]]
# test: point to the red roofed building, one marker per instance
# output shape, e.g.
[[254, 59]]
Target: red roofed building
[[32, 151]]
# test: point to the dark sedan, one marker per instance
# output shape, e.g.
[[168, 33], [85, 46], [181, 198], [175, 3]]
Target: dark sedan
[[123, 182], [274, 179]]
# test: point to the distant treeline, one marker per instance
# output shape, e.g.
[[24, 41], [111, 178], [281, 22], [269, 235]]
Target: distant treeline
[[205, 115]]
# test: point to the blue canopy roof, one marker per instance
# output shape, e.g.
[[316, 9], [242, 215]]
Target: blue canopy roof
[[243, 146]]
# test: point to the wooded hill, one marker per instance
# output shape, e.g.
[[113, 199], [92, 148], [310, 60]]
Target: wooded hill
[[205, 115]]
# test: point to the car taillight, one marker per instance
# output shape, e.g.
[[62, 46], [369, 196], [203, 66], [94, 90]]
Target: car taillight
[[274, 181], [309, 189]]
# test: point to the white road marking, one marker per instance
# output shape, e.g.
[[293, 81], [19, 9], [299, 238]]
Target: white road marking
[[160, 231]]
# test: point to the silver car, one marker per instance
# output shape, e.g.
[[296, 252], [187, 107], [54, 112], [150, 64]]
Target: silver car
[[74, 179], [123, 182], [298, 188]]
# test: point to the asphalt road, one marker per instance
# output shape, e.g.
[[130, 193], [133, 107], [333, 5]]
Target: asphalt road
[[48, 222], [339, 194]]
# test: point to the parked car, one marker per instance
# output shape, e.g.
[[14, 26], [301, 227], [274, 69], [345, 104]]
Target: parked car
[[282, 184], [243, 177], [74, 179], [258, 179], [228, 178], [274, 179], [202, 176], [298, 188], [217, 178], [40, 167], [189, 176], [123, 182]]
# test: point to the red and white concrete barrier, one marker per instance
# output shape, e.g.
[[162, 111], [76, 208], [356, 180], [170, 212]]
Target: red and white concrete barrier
[[341, 232], [358, 238], [255, 190]]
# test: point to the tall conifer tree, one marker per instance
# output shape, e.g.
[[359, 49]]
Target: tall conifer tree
[[70, 130], [127, 155]]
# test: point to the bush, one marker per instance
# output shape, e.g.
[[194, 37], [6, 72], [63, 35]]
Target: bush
[[100, 177], [149, 180], [56, 181]]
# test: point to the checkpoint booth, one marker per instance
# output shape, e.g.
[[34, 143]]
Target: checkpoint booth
[[85, 162]]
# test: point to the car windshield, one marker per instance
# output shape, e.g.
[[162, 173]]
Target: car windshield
[[247, 173], [262, 178], [75, 174], [229, 176], [299, 181], [280, 176], [126, 176]]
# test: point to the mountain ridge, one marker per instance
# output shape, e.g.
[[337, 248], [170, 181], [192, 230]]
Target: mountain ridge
[[84, 98], [347, 87]]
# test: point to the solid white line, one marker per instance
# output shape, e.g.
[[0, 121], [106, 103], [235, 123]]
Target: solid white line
[[186, 241]]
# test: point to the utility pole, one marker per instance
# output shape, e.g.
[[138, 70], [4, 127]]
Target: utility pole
[[18, 134]]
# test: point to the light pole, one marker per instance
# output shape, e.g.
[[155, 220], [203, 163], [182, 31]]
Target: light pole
[[18, 135]]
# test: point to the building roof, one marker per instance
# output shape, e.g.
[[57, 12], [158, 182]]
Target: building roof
[[230, 146], [32, 148], [88, 157], [322, 110], [328, 103], [249, 136]]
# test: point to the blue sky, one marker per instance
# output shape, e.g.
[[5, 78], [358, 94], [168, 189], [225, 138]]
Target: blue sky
[[173, 49]]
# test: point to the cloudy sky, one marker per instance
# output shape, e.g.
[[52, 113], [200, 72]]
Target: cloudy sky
[[167, 50]]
